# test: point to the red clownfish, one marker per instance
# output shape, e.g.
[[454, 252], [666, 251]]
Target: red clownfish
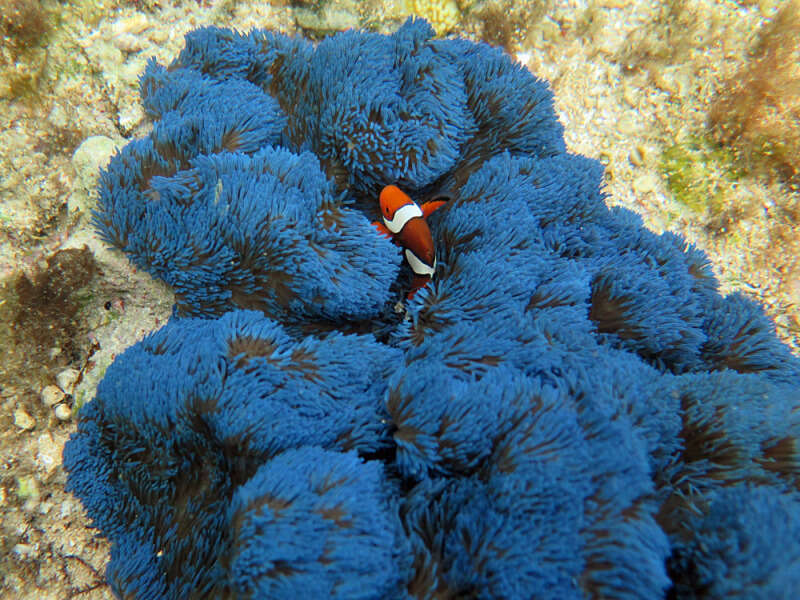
[[404, 222]]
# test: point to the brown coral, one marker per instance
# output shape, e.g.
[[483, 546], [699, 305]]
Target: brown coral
[[43, 322], [23, 23], [758, 110]]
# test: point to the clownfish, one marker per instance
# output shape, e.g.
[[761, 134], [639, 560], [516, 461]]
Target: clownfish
[[404, 222]]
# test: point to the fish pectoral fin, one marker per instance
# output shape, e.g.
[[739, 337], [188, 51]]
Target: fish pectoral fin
[[382, 229], [429, 207]]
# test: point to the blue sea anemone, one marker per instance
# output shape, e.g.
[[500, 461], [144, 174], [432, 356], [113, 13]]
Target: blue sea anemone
[[568, 409]]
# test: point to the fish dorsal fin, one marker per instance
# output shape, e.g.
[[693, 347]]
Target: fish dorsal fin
[[429, 207]]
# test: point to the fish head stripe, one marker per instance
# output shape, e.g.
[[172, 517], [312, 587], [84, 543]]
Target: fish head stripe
[[402, 216], [419, 267], [391, 199]]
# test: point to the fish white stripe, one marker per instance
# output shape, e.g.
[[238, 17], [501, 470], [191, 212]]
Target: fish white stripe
[[402, 216], [419, 267]]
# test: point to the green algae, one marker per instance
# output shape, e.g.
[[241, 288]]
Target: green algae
[[700, 175]]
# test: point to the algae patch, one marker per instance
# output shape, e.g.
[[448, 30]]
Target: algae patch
[[700, 175]]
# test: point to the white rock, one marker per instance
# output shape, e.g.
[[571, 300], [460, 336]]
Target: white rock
[[67, 508], [49, 455], [28, 491], [25, 550], [134, 24], [645, 183], [106, 56], [636, 156], [159, 36], [58, 116], [127, 42], [23, 420], [66, 379], [130, 72], [93, 153], [78, 201], [684, 82], [629, 94], [130, 115], [51, 395], [63, 412], [627, 125]]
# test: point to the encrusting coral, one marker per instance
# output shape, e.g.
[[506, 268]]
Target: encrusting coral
[[569, 409]]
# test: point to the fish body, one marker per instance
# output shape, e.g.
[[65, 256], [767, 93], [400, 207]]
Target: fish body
[[404, 221]]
